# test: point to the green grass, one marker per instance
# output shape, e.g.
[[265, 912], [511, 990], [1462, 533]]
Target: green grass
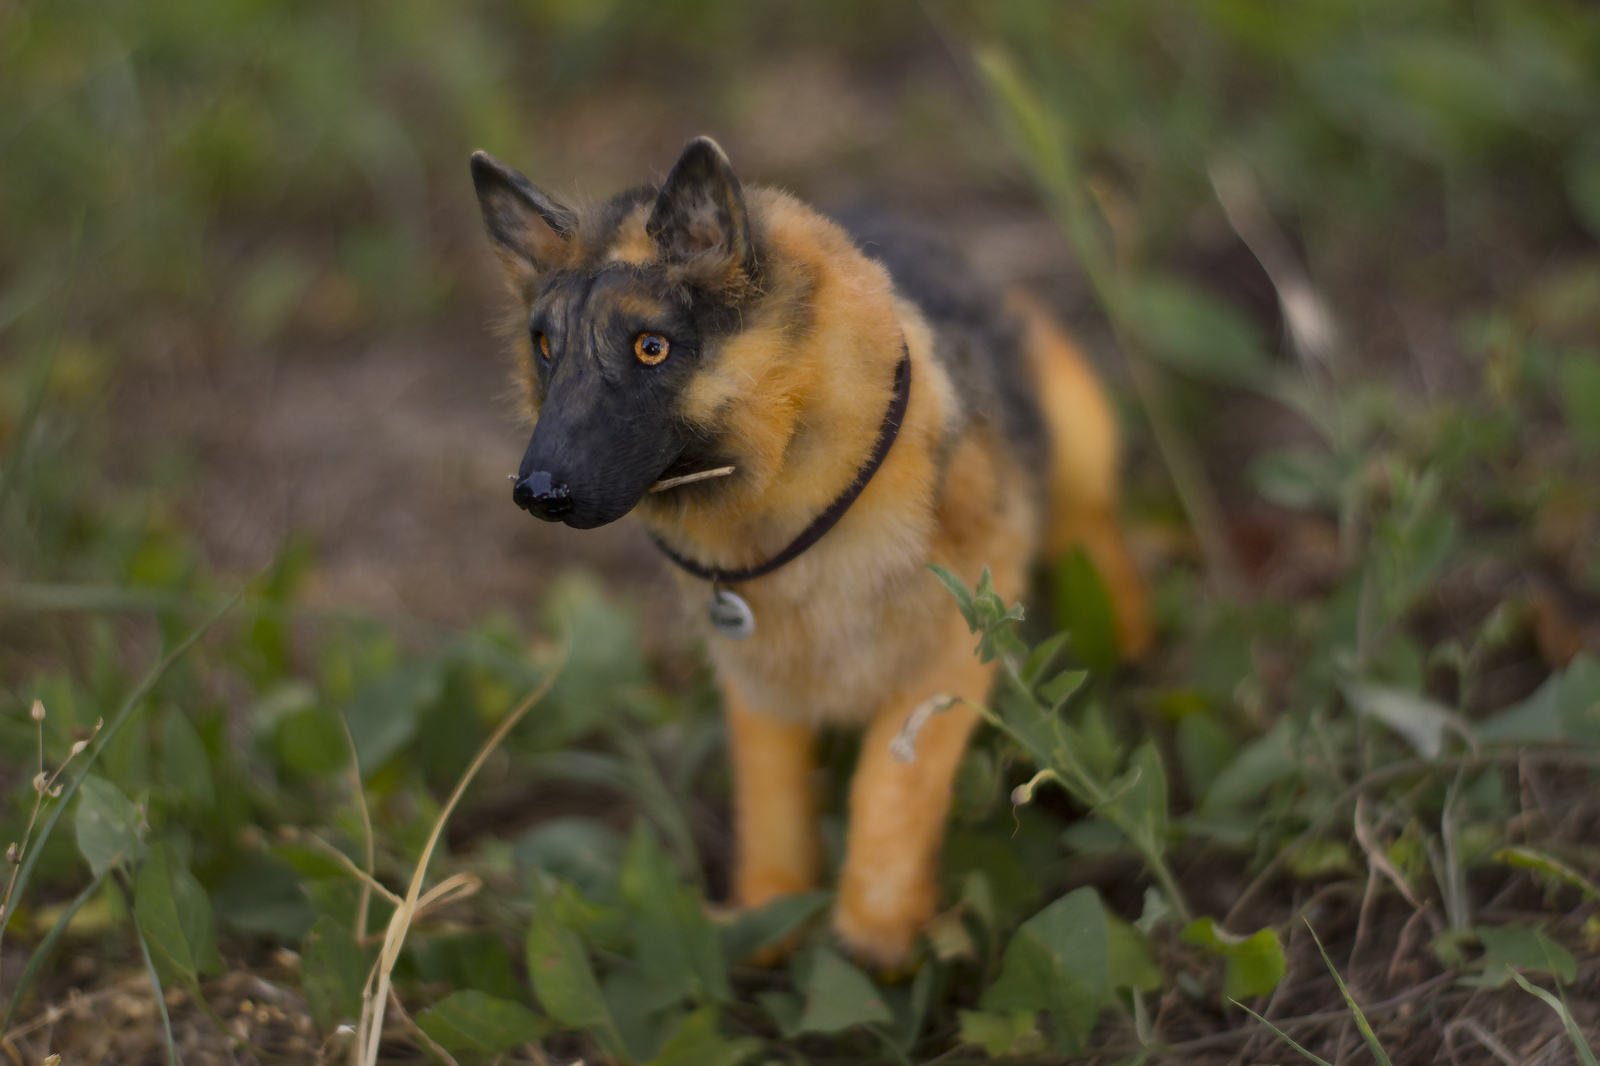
[[1373, 705]]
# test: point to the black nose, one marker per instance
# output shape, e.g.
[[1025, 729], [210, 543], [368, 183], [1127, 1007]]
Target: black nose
[[541, 497]]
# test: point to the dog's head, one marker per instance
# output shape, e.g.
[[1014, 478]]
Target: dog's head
[[621, 302]]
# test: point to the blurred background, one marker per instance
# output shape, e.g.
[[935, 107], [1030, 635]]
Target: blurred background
[[1338, 261]]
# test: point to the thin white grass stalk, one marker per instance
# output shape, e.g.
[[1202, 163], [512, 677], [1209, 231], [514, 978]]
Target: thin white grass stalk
[[374, 1000], [43, 788], [369, 884], [452, 889], [364, 902]]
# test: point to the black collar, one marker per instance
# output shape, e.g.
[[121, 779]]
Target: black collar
[[887, 432]]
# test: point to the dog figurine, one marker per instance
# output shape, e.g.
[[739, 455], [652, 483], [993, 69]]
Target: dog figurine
[[803, 418]]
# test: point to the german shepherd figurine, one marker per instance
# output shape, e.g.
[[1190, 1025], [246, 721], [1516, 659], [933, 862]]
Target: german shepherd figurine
[[802, 421]]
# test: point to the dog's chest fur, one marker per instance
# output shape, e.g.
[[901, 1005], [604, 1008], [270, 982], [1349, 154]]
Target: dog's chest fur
[[853, 624]]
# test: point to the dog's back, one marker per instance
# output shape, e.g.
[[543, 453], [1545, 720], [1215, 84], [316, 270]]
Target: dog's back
[[1015, 368]]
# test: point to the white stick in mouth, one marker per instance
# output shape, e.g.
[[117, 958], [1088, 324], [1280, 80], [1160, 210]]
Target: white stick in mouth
[[687, 479]]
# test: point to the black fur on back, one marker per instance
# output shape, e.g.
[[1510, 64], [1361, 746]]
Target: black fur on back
[[979, 343]]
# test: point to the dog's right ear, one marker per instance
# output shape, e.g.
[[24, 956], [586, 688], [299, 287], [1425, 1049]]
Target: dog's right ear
[[529, 230]]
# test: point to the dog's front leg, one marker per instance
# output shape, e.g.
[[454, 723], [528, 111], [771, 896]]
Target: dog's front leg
[[775, 819], [889, 886]]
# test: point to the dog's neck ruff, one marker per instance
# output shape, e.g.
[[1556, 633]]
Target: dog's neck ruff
[[887, 432]]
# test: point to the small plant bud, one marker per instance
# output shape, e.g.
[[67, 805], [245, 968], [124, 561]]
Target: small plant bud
[[38, 711], [77, 749], [13, 853], [55, 793], [39, 782]]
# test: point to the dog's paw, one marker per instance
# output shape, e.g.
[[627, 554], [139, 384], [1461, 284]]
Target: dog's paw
[[884, 942]]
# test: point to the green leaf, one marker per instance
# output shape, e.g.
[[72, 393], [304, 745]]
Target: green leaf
[[1128, 960], [1566, 706], [1522, 947], [1059, 689], [185, 763], [784, 1008], [1194, 333], [1141, 807], [311, 743], [383, 718], [1083, 609], [604, 661], [333, 972], [958, 589], [476, 960], [109, 826], [1261, 764], [1254, 964], [559, 970], [1042, 656], [584, 851], [678, 949], [175, 916], [1204, 750], [839, 996], [264, 897], [1297, 479], [1015, 1033], [698, 1042], [758, 927], [1420, 720], [1057, 961], [1580, 399], [472, 1023]]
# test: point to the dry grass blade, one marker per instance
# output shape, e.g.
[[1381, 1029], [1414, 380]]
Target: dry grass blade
[[365, 1051], [369, 884], [1378, 1054], [1377, 857], [689, 479]]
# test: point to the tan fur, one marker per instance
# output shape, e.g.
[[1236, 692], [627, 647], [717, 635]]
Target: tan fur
[[1083, 480], [632, 244], [857, 630]]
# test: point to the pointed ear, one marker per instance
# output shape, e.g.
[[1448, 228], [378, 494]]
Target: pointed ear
[[527, 227], [700, 214]]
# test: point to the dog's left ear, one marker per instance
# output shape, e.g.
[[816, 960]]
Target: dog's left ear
[[530, 231], [699, 218]]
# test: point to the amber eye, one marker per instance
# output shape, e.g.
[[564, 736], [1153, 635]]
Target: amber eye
[[544, 345], [651, 348]]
